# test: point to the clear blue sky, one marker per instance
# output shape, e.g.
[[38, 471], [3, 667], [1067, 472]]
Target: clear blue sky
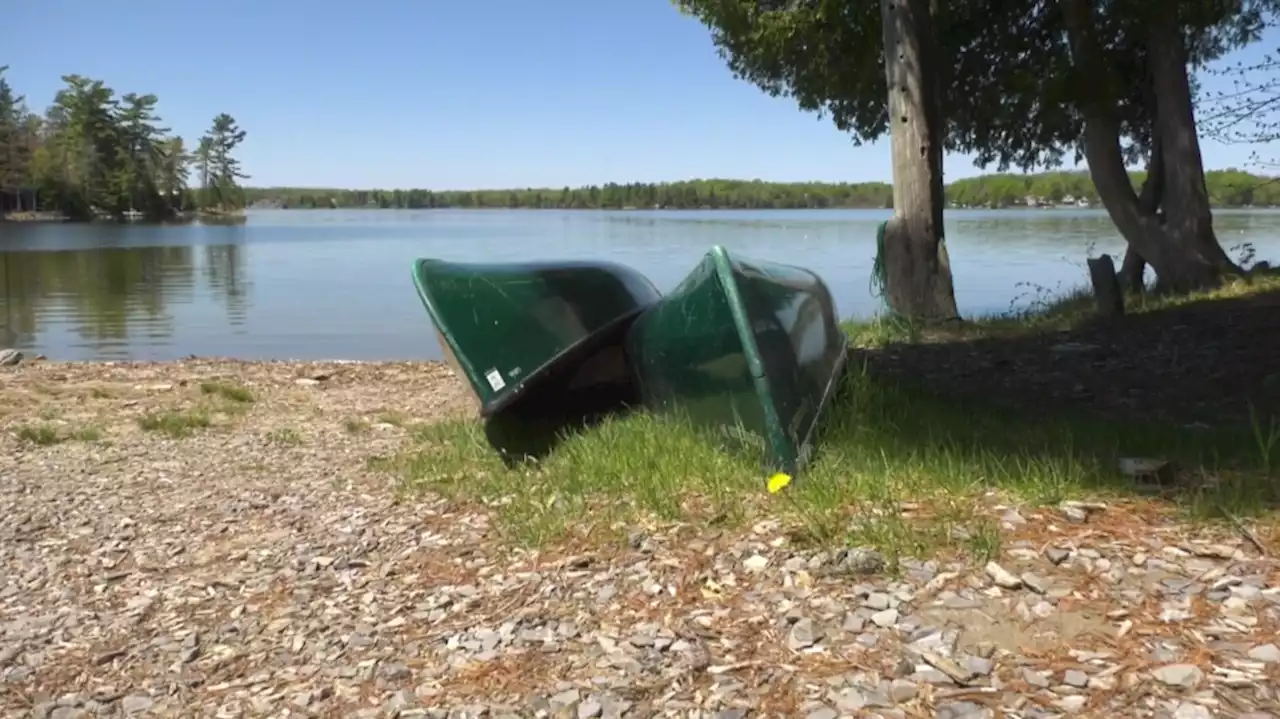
[[428, 93]]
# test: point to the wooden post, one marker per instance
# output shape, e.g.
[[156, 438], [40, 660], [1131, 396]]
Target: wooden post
[[1106, 286]]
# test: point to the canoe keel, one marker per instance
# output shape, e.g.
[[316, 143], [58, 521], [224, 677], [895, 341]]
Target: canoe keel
[[748, 350]]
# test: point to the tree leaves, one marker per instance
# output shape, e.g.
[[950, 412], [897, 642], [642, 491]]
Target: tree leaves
[[1010, 91], [97, 154]]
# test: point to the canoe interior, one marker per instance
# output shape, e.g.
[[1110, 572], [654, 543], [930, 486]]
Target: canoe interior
[[573, 396], [747, 348], [538, 342]]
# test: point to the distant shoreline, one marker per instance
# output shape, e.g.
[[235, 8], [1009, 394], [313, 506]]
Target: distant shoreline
[[1228, 189], [215, 218], [28, 218]]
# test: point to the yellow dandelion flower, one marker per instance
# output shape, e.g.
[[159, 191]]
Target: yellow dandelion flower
[[779, 482]]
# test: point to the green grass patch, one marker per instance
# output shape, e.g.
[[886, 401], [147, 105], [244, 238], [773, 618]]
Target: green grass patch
[[87, 434], [175, 424], [285, 436], [45, 434], [228, 392], [883, 447], [1048, 312], [355, 425], [395, 418]]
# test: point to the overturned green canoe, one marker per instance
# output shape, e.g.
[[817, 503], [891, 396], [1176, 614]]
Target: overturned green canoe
[[540, 343], [749, 348]]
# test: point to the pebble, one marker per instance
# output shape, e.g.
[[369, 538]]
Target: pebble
[[1075, 678], [1179, 675], [1002, 577], [885, 619], [804, 633], [136, 704], [1268, 653], [1189, 710], [1057, 555]]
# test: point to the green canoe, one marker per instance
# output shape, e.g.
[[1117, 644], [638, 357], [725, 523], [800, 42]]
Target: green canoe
[[539, 343], [751, 349]]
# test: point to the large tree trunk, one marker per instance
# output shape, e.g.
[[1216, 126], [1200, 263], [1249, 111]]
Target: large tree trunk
[[1188, 219], [1149, 201], [915, 254], [1181, 247]]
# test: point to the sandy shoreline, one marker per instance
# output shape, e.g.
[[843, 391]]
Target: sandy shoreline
[[258, 565]]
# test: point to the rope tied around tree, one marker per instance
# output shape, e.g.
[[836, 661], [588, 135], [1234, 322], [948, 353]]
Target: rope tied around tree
[[879, 273]]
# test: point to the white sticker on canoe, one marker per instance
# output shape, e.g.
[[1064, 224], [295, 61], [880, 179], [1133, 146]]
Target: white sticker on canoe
[[495, 379]]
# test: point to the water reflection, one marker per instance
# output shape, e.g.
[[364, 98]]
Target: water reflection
[[106, 300]]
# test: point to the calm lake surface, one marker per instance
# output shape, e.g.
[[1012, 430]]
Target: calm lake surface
[[335, 284]]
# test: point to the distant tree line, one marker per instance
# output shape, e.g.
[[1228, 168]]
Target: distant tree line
[[1227, 188], [93, 155], [738, 194]]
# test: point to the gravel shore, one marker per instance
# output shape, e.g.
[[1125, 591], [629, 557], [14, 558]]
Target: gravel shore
[[260, 566]]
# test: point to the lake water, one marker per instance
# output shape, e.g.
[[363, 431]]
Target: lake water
[[335, 284]]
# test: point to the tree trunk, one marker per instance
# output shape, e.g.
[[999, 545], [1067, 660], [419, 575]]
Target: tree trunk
[[918, 268], [1188, 219], [1149, 200], [1182, 249]]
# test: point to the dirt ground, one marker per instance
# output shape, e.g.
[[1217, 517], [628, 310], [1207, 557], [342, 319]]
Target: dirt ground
[[1204, 362], [260, 566]]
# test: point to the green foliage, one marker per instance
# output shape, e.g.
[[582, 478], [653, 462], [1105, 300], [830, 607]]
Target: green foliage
[[219, 170], [1227, 188], [96, 155], [1011, 94]]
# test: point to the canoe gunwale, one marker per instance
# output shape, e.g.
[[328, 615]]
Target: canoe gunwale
[[755, 363]]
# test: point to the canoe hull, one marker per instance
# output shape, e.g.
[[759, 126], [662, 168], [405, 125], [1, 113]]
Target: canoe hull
[[535, 340], [751, 349]]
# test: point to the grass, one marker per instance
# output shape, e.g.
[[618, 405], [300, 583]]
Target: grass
[[897, 468], [1049, 313], [40, 434], [222, 399], [46, 434], [284, 436], [354, 425], [174, 423], [393, 418], [884, 448], [228, 392]]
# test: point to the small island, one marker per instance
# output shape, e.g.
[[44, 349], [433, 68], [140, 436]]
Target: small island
[[95, 156]]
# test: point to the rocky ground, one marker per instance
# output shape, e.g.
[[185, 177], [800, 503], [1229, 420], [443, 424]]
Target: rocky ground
[[259, 568]]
